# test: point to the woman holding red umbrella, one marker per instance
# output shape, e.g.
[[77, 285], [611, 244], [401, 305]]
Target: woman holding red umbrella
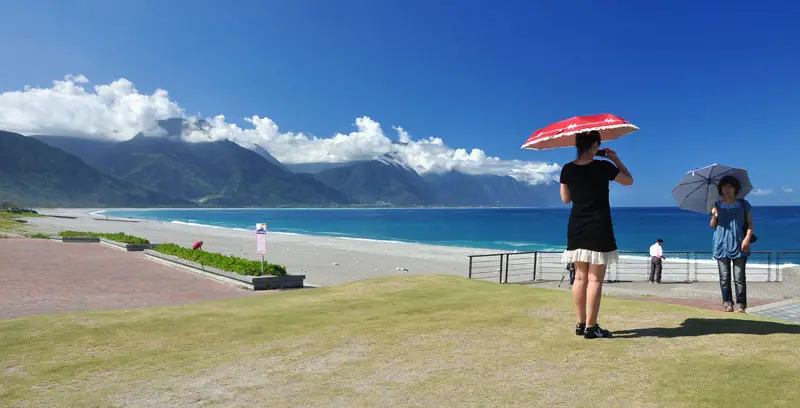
[[591, 244]]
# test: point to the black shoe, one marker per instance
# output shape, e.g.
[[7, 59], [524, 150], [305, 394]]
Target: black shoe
[[596, 332], [580, 329]]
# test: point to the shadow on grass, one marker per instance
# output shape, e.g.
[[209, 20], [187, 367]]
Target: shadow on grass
[[703, 327]]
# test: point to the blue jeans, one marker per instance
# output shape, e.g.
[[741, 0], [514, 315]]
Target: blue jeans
[[739, 266]]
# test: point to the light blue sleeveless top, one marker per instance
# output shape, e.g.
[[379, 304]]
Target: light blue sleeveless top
[[729, 234]]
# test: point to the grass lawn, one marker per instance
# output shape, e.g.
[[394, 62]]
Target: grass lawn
[[8, 221], [421, 341]]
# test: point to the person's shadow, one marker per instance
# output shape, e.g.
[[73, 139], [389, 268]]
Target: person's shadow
[[701, 327]]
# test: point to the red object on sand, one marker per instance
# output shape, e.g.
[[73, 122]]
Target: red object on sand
[[562, 133], [197, 245]]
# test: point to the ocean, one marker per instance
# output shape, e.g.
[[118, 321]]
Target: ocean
[[505, 229]]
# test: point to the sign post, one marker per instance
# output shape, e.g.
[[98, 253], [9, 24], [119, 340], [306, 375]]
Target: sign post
[[261, 242]]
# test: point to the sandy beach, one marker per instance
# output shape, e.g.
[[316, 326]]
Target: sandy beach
[[324, 261], [330, 261]]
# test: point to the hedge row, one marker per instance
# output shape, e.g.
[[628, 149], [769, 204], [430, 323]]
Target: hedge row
[[117, 236], [220, 261]]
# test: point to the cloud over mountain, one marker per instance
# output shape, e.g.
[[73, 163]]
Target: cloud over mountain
[[118, 111]]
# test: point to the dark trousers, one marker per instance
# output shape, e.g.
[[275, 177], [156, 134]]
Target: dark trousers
[[655, 269], [739, 281]]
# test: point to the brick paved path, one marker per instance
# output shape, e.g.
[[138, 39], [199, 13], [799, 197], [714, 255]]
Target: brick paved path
[[40, 276]]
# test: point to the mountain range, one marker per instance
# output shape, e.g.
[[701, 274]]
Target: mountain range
[[165, 171]]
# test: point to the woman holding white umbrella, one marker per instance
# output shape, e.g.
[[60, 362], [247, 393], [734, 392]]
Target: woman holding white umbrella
[[700, 191], [732, 222]]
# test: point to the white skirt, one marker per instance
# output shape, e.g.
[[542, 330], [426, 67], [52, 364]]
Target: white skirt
[[591, 257]]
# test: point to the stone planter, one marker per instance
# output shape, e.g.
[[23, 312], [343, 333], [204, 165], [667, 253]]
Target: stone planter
[[113, 244], [244, 281], [127, 247], [74, 239]]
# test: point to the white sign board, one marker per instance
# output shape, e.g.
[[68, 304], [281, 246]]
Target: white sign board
[[261, 238]]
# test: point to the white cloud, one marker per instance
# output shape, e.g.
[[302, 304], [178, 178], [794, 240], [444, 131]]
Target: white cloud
[[761, 191], [114, 111], [118, 111], [787, 189]]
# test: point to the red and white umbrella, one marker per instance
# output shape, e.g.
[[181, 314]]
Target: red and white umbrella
[[562, 133]]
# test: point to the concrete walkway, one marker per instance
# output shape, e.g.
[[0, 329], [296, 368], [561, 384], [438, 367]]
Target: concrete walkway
[[787, 310], [766, 299], [694, 290]]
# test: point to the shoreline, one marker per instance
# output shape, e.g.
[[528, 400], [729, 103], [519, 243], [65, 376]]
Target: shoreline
[[79, 212], [477, 250], [680, 260]]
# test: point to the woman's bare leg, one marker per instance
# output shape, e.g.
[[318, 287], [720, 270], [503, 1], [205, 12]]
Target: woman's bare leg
[[579, 290], [594, 290]]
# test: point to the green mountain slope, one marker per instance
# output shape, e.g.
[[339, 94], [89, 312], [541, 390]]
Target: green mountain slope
[[33, 173]]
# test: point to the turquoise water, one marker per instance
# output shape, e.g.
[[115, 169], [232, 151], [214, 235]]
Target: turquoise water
[[778, 228]]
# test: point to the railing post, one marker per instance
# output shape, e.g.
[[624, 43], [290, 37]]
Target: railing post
[[500, 271], [769, 267], [507, 262], [688, 265], [470, 267], [777, 266], [535, 261]]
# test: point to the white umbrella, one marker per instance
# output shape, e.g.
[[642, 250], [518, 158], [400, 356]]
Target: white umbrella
[[697, 190]]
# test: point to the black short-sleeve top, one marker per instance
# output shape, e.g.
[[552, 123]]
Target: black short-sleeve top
[[590, 225]]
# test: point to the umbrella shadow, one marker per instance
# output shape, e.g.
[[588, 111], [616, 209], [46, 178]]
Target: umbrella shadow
[[693, 327]]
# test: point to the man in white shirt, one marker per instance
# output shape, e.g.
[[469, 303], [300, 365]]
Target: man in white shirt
[[656, 256]]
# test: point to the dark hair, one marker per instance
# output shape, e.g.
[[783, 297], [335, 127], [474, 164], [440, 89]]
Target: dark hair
[[585, 140], [729, 180], [660, 240]]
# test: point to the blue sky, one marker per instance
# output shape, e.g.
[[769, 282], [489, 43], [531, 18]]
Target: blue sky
[[705, 81]]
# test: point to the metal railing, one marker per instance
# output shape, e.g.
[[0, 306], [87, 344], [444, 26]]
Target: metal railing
[[522, 267]]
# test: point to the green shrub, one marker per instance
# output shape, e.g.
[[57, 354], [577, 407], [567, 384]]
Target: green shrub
[[38, 235], [117, 236], [220, 261]]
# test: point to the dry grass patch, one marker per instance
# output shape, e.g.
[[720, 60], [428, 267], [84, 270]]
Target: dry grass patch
[[415, 341]]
